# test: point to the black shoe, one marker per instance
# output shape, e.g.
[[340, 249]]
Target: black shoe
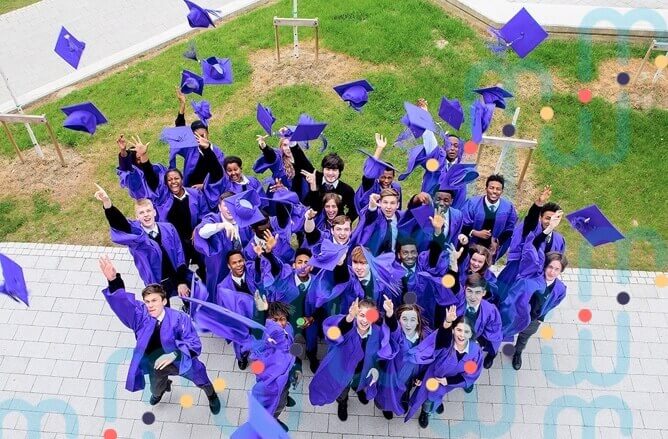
[[489, 360], [361, 395], [214, 404], [342, 412], [517, 360], [423, 420], [388, 415], [291, 402], [440, 409], [243, 362], [468, 389], [156, 398], [313, 361], [285, 427]]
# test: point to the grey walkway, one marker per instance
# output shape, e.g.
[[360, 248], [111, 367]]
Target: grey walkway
[[113, 31], [65, 359]]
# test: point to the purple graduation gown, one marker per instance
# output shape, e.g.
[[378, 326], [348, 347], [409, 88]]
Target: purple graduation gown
[[506, 217], [215, 249], [445, 364], [283, 249], [196, 204], [135, 182], [278, 362], [190, 158], [516, 308], [146, 252], [371, 229], [397, 373], [176, 334], [337, 369], [488, 323]]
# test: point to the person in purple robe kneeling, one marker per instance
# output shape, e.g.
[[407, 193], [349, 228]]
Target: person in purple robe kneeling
[[456, 364], [167, 343], [355, 344]]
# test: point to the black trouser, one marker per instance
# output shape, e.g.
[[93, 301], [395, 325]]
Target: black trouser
[[159, 378], [354, 383], [524, 336], [283, 401]]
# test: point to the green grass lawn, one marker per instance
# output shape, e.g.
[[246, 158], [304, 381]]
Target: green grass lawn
[[10, 5], [590, 154]]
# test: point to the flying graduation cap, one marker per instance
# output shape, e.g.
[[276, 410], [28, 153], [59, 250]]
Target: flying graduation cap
[[199, 16], [451, 112], [265, 118], [12, 281], [328, 255], [203, 110], [307, 129], [594, 226], [191, 83], [522, 34], [245, 208], [83, 117], [69, 48], [191, 52], [417, 120], [494, 95], [217, 71], [481, 118], [179, 138], [356, 93]]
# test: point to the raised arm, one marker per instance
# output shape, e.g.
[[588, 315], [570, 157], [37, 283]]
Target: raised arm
[[114, 216], [122, 303], [180, 118]]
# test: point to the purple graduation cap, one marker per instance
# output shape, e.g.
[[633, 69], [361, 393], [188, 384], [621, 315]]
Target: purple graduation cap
[[83, 117], [191, 83], [594, 226], [265, 118], [69, 48], [494, 95], [12, 281], [417, 120], [190, 52], [522, 33], [356, 93], [203, 110], [328, 256], [459, 175], [422, 214], [199, 17], [375, 166], [217, 71], [179, 138], [244, 207], [451, 112], [481, 117], [260, 425], [307, 129]]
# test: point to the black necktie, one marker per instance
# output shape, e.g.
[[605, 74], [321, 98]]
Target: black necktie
[[386, 246], [301, 287], [470, 314], [153, 234], [328, 187]]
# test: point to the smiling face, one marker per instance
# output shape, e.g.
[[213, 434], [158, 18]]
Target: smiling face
[[285, 147], [452, 149], [461, 334], [224, 211], [331, 209], [476, 262], [409, 323], [175, 183], [145, 214], [341, 232], [545, 218], [331, 174], [408, 255], [234, 172], [553, 270], [301, 265], [386, 179], [389, 206], [442, 201], [494, 190], [236, 265], [361, 269], [155, 304], [474, 296], [363, 324]]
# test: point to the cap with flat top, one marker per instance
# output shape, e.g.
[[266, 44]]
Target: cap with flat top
[[494, 95], [69, 48], [594, 226], [451, 112], [356, 93], [328, 255], [481, 117], [307, 129], [203, 110], [417, 120], [83, 117], [265, 118], [217, 71], [522, 33], [191, 83], [373, 167], [198, 16], [179, 138], [244, 208]]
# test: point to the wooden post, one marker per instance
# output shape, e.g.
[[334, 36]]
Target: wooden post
[[642, 64], [278, 51], [11, 139], [524, 170], [55, 143], [477, 160], [316, 43]]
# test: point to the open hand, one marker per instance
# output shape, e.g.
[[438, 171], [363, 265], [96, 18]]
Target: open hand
[[260, 302], [107, 268], [544, 196], [381, 141], [270, 241], [183, 290]]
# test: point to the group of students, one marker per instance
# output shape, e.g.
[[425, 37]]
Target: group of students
[[404, 298]]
